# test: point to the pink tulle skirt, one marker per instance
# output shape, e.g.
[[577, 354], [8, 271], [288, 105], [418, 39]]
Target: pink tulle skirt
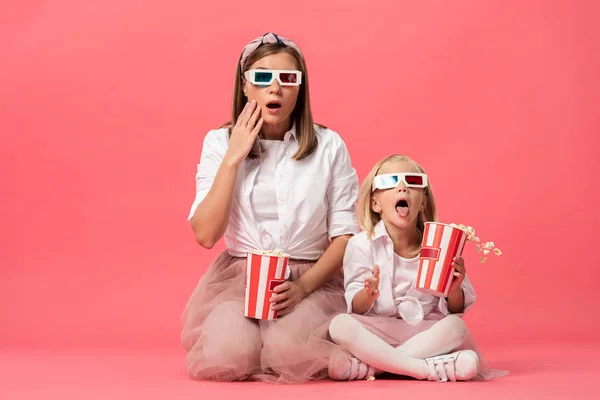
[[224, 345]]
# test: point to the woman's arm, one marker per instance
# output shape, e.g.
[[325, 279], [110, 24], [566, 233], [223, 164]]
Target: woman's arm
[[327, 267], [289, 293], [211, 217], [212, 214]]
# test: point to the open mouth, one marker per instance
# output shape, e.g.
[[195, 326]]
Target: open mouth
[[402, 208], [273, 105]]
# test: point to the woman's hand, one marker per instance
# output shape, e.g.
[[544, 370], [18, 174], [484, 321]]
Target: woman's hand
[[244, 133], [287, 296]]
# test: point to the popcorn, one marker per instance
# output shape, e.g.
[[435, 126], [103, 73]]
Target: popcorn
[[484, 248], [273, 253], [370, 378], [467, 229]]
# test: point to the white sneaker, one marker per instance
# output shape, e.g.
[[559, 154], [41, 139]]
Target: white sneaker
[[345, 367], [459, 366]]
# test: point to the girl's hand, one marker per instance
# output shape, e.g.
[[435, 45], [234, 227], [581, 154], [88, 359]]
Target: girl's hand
[[372, 284], [459, 274]]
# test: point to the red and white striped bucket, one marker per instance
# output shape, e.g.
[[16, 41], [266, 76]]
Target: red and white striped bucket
[[441, 243], [263, 273]]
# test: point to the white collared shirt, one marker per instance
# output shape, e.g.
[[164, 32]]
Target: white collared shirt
[[398, 296], [263, 198], [316, 196]]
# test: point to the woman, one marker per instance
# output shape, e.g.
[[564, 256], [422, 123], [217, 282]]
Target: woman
[[269, 180]]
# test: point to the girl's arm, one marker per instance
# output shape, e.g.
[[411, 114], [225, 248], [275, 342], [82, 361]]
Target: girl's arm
[[361, 276]]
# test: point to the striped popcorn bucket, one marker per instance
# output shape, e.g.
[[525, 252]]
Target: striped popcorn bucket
[[264, 272], [441, 243]]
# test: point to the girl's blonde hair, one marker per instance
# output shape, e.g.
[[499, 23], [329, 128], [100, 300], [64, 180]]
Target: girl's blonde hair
[[367, 218], [301, 116]]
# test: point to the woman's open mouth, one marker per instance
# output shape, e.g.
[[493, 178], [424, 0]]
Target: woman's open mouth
[[273, 106]]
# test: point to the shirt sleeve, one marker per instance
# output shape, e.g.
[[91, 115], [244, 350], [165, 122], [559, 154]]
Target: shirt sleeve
[[358, 265], [342, 194], [469, 297], [213, 151]]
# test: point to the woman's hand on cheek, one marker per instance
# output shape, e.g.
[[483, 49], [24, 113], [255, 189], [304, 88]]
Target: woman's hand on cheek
[[244, 133]]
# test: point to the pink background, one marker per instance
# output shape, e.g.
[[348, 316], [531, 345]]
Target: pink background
[[104, 106]]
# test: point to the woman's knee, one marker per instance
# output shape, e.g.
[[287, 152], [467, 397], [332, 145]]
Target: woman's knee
[[228, 339]]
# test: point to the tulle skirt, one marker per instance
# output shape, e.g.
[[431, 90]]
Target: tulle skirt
[[223, 345]]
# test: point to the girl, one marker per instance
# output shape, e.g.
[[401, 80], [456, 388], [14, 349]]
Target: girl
[[269, 180], [390, 326]]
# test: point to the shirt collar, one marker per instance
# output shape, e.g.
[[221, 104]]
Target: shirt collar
[[291, 132], [380, 231]]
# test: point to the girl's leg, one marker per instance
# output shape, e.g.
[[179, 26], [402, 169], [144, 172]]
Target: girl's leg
[[367, 347], [442, 338], [373, 355]]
